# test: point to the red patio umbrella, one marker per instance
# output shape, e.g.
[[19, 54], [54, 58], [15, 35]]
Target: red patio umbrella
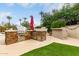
[[32, 23]]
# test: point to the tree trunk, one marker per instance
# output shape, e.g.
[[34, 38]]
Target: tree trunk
[[50, 33], [9, 23]]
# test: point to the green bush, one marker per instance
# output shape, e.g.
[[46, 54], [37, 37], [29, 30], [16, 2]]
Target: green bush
[[6, 26], [38, 26], [58, 24], [26, 24]]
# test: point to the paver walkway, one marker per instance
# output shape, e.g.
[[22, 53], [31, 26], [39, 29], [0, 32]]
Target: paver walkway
[[19, 48]]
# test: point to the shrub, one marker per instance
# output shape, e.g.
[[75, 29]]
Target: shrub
[[38, 27], [58, 24], [6, 26], [26, 24]]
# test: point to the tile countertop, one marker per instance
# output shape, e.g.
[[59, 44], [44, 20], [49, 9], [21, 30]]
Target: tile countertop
[[11, 31], [40, 29], [27, 30]]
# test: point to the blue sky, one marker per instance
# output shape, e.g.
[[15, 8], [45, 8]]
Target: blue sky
[[21, 10]]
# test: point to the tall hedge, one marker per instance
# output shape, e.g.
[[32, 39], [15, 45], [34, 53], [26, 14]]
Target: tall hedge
[[58, 24]]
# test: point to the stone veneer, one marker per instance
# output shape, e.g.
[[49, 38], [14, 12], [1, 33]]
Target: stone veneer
[[28, 35], [11, 37], [39, 35]]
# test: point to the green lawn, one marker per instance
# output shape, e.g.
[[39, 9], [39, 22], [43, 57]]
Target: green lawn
[[54, 49]]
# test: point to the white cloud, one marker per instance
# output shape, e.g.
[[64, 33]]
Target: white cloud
[[4, 14], [63, 4], [51, 6], [10, 4], [48, 7], [60, 6], [25, 5]]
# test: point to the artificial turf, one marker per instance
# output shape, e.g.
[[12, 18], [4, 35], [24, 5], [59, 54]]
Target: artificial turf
[[54, 49]]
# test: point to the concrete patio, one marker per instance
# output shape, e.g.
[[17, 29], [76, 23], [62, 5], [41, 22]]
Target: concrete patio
[[19, 48]]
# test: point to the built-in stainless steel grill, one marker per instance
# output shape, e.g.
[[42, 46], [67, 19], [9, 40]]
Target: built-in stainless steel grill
[[21, 33]]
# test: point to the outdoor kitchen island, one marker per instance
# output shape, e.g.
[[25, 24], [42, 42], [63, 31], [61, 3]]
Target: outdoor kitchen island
[[12, 36], [39, 35]]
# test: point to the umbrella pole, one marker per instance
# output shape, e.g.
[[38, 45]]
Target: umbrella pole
[[31, 34]]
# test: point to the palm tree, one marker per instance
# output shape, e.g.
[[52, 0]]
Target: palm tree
[[2, 23], [20, 21], [25, 18], [9, 18], [41, 13]]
